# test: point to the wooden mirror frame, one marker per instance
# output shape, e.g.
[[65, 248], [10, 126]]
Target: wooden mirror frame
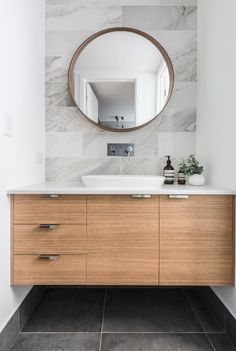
[[121, 29]]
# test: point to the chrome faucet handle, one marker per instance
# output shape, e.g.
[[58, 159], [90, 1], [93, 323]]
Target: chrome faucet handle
[[129, 149]]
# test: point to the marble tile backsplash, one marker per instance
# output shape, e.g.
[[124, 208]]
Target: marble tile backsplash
[[74, 146]]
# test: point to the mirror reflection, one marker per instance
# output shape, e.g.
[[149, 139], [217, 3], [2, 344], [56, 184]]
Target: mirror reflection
[[120, 80]]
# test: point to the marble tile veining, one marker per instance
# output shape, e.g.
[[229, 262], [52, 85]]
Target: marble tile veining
[[57, 94], [178, 2], [108, 2], [69, 144], [179, 145], [177, 43], [76, 147], [76, 17], [62, 119], [160, 18], [140, 166], [68, 119], [184, 95], [71, 169], [95, 145], [174, 119], [185, 68], [65, 43], [55, 69], [177, 120]]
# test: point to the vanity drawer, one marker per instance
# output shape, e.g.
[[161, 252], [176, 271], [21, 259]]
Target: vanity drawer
[[46, 238], [38, 270], [38, 209]]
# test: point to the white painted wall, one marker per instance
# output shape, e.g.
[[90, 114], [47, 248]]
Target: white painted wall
[[22, 97], [216, 128]]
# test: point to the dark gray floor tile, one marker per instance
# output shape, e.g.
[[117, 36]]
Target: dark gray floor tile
[[155, 342], [30, 303], [231, 327], [68, 310], [205, 316], [212, 302], [149, 310], [10, 332], [57, 342], [221, 342]]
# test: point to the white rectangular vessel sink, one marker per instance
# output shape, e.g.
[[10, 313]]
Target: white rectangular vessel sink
[[122, 181]]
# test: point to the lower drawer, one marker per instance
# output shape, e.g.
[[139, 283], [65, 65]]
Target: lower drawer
[[49, 270], [38, 239]]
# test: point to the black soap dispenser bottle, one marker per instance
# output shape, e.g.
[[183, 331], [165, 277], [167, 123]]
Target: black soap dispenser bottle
[[169, 172]]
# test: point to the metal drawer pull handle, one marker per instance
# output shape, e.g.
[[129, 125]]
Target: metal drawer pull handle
[[49, 257], [50, 195], [48, 226], [178, 196], [143, 196]]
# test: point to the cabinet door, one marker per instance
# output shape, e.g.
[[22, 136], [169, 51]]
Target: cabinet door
[[122, 240], [196, 240]]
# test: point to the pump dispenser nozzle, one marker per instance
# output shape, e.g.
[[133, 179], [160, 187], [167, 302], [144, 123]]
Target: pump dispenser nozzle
[[168, 160]]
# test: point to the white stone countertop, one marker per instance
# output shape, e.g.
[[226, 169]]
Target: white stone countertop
[[79, 188]]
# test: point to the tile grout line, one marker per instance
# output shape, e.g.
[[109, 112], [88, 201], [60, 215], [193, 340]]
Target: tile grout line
[[60, 332], [122, 332], [103, 314], [211, 343], [213, 315], [225, 321], [102, 331], [222, 332], [31, 312], [196, 315], [18, 331]]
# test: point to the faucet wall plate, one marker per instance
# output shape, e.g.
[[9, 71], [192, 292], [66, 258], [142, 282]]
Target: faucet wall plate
[[120, 150]]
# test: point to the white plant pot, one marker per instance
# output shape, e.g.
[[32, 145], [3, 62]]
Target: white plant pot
[[196, 179]]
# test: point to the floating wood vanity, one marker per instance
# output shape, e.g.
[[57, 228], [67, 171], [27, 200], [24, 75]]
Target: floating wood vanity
[[112, 239]]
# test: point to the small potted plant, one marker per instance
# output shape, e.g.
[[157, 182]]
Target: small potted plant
[[181, 174], [193, 170]]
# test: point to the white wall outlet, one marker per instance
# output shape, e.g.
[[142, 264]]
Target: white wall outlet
[[8, 125]]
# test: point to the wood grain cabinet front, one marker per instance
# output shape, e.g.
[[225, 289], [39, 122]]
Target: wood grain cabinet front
[[49, 269], [40, 209], [48, 240], [122, 240], [197, 240]]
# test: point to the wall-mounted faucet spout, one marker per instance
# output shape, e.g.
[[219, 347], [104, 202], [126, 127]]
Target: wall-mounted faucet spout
[[120, 150], [129, 151]]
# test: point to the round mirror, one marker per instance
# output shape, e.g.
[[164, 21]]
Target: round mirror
[[121, 79]]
